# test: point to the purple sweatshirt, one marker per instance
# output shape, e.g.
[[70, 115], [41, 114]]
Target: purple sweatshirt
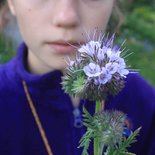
[[19, 134]]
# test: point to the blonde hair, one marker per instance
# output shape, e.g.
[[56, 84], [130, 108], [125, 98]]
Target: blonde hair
[[4, 14], [117, 18]]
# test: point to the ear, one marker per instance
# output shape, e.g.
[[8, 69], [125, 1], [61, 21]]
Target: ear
[[11, 7]]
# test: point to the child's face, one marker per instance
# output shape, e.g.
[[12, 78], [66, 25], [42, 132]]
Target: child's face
[[46, 26]]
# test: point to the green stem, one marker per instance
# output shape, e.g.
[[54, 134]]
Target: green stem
[[98, 106], [98, 148], [96, 140]]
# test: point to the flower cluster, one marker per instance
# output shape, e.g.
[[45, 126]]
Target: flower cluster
[[105, 63], [111, 124], [99, 67]]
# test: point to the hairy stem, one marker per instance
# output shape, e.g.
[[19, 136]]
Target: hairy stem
[[98, 149], [96, 140]]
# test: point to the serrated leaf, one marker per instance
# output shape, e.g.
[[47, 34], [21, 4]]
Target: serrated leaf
[[131, 139]]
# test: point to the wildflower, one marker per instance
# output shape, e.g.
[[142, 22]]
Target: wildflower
[[101, 54], [104, 76], [99, 68], [90, 48], [92, 70], [111, 124]]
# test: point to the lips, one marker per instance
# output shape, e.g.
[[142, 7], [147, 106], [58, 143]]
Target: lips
[[61, 47]]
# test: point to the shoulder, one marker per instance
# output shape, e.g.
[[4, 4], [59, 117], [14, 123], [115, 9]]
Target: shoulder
[[5, 89], [10, 99], [136, 87], [137, 94], [139, 89], [136, 80], [6, 71], [7, 80]]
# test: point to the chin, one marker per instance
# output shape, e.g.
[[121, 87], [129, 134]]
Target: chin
[[61, 67]]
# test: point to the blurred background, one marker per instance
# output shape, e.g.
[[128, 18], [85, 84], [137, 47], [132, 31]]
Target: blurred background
[[138, 29], [136, 25]]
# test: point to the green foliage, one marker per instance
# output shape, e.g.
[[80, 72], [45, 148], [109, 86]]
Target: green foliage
[[139, 30], [88, 121], [125, 143], [144, 18], [7, 49], [78, 85], [73, 82], [108, 127]]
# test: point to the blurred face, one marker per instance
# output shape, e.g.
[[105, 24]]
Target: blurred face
[[49, 26]]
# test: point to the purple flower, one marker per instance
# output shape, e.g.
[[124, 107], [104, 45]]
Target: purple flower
[[123, 72], [104, 76], [71, 63], [114, 56], [92, 70], [100, 54], [111, 67], [98, 70], [90, 48], [122, 67]]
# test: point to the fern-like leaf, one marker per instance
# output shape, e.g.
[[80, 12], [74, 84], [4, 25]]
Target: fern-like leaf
[[85, 141], [131, 139]]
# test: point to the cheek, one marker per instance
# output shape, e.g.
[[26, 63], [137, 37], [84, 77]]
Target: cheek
[[98, 18], [28, 25]]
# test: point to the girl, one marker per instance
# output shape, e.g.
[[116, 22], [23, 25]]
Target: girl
[[37, 117]]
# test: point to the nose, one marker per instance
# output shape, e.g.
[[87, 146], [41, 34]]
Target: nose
[[67, 14]]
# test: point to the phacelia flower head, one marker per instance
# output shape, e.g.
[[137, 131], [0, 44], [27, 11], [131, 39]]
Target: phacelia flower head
[[98, 69]]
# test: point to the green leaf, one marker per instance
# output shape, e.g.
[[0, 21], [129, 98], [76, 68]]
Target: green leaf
[[85, 141], [87, 114], [114, 151], [78, 85], [131, 139]]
